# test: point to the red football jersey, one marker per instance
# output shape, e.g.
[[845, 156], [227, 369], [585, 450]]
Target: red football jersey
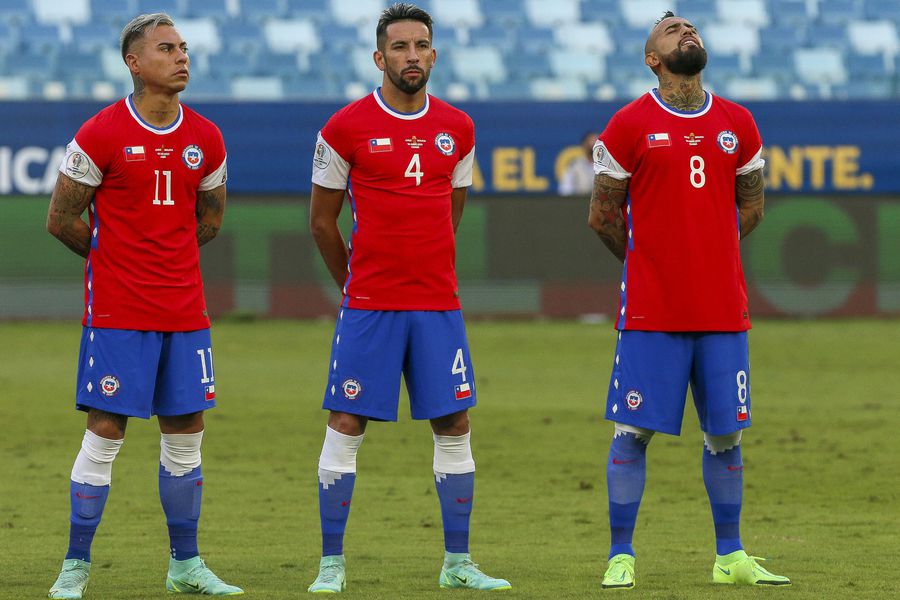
[[682, 266], [399, 170], [143, 270]]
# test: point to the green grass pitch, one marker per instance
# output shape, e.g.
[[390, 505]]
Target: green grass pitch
[[822, 477]]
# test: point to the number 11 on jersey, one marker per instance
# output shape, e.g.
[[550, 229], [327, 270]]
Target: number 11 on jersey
[[167, 175]]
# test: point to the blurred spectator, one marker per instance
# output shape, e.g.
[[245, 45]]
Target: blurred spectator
[[579, 176]]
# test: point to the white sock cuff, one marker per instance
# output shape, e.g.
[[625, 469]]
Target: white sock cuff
[[179, 453], [339, 451], [642, 434], [721, 443], [453, 454], [93, 465]]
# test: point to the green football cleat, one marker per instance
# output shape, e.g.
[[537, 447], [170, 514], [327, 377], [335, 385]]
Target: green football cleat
[[331, 579], [460, 572], [620, 573], [192, 576], [72, 580], [740, 568]]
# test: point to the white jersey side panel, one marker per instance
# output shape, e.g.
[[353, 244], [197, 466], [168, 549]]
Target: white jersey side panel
[[77, 165], [329, 169]]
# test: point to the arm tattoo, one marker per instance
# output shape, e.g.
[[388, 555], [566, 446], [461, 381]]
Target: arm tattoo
[[210, 210], [750, 195], [70, 199], [605, 217]]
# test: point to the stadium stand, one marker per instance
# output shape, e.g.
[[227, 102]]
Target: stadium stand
[[508, 49]]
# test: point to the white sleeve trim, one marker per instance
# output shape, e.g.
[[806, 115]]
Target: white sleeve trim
[[753, 164], [77, 165], [330, 170], [215, 179], [462, 173], [605, 164]]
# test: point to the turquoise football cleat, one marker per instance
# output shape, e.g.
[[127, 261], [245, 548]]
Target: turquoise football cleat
[[192, 576], [742, 569], [331, 579], [460, 572], [72, 580], [620, 573]]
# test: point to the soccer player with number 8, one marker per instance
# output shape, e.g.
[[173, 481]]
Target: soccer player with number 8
[[678, 183]]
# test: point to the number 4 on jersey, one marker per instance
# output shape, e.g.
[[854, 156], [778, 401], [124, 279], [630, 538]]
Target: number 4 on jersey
[[414, 169]]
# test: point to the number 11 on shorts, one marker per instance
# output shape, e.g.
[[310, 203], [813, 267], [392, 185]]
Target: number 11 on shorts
[[463, 390], [209, 377]]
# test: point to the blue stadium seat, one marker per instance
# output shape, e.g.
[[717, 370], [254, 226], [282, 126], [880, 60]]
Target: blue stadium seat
[[261, 10], [257, 88], [478, 64], [243, 35], [316, 10], [576, 64], [883, 9], [606, 11], [831, 35], [749, 12], [341, 37], [642, 14], [508, 12], [34, 65], [870, 66], [171, 7], [312, 88], [277, 65], [53, 12], [723, 66], [789, 13], [294, 35], [535, 39], [201, 35], [208, 87], [865, 89], [226, 65], [9, 38], [782, 37], [765, 88], [839, 12], [874, 37], [495, 34], [115, 12], [559, 89], [593, 37], [206, 9], [624, 67], [15, 11], [81, 64], [524, 66], [457, 13], [510, 91], [774, 63], [820, 65], [444, 37], [548, 14], [37, 37], [95, 35], [699, 12], [631, 41]]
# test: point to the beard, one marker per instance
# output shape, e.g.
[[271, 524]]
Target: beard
[[689, 61], [406, 86]]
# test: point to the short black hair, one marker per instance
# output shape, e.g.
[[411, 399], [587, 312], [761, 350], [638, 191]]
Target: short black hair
[[401, 11], [668, 14]]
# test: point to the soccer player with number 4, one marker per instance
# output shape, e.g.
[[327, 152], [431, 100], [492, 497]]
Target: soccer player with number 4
[[678, 183], [404, 159], [151, 175]]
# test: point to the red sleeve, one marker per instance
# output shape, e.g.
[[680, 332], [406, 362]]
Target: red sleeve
[[93, 138], [337, 134], [750, 140], [619, 140]]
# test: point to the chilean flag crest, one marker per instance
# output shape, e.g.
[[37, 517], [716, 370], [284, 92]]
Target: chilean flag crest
[[463, 391], [655, 140], [211, 392], [742, 413], [134, 153], [380, 145]]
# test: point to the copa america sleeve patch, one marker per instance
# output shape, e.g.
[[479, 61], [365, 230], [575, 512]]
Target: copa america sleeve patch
[[462, 173], [215, 179], [77, 165], [605, 164], [330, 170]]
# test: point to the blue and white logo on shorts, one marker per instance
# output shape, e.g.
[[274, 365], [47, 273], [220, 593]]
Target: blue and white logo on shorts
[[352, 389], [109, 386], [633, 400]]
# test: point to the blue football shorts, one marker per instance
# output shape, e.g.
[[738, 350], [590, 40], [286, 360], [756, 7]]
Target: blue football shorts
[[372, 348], [652, 370], [144, 373]]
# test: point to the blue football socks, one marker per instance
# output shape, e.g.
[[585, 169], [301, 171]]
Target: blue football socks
[[181, 497], [723, 474], [87, 503], [455, 492], [335, 493], [626, 473]]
